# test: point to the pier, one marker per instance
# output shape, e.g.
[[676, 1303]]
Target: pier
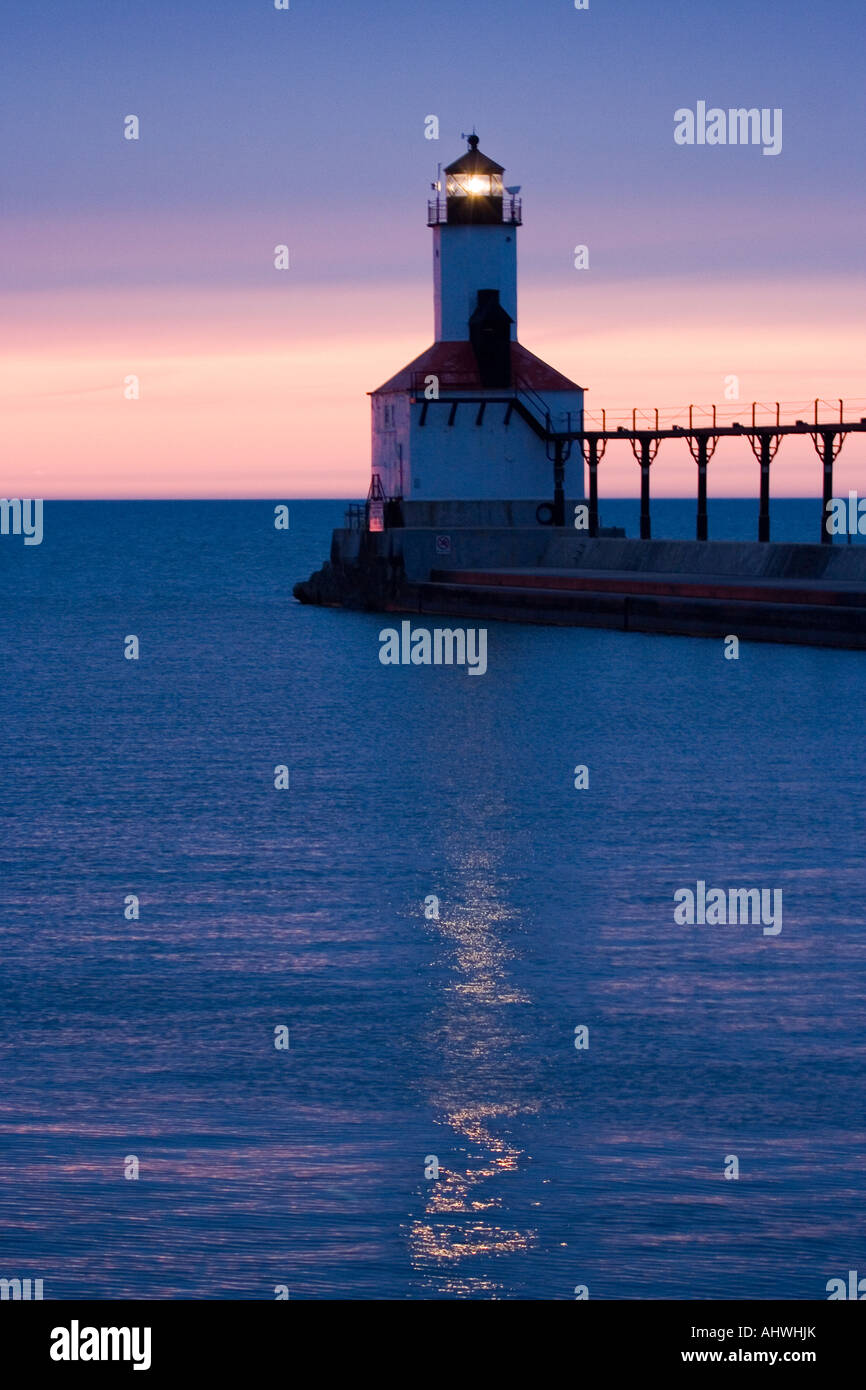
[[700, 426]]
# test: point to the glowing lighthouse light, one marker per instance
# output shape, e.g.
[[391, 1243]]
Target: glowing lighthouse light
[[473, 175], [490, 185]]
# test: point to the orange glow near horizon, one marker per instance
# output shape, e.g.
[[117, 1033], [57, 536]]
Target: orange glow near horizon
[[263, 394]]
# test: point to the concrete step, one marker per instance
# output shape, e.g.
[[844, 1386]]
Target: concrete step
[[836, 593], [765, 620]]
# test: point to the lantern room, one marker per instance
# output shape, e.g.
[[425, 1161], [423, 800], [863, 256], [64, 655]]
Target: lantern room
[[473, 192]]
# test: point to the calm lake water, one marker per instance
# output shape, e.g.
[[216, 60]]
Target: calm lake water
[[412, 1037]]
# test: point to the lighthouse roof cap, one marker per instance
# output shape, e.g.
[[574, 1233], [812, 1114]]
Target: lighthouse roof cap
[[474, 162]]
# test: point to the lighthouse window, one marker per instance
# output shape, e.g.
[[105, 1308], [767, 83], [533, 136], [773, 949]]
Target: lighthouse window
[[479, 185]]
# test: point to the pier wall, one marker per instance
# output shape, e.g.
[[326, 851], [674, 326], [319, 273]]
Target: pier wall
[[424, 549], [768, 592]]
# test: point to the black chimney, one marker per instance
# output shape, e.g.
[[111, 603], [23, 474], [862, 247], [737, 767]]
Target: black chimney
[[490, 336]]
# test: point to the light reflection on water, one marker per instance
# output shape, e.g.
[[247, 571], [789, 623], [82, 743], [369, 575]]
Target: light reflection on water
[[478, 1021]]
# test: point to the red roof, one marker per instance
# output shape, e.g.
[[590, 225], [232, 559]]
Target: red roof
[[455, 366]]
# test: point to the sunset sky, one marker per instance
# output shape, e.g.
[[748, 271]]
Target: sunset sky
[[154, 257]]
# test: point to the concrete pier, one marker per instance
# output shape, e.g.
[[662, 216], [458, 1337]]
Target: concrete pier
[[764, 591]]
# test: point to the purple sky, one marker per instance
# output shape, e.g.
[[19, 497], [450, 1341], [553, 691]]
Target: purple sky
[[306, 127]]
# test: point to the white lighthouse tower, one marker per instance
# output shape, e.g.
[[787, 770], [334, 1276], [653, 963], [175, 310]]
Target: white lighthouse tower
[[471, 433]]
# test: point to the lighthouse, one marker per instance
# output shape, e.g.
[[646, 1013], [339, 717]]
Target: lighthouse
[[475, 507], [473, 432]]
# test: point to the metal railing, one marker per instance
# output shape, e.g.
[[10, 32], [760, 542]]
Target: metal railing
[[736, 414], [512, 210], [534, 401]]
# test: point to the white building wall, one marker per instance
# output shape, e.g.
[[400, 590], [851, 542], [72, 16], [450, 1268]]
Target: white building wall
[[465, 461], [466, 260], [391, 434]]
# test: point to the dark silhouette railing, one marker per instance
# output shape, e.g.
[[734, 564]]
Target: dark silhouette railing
[[764, 429], [512, 210]]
